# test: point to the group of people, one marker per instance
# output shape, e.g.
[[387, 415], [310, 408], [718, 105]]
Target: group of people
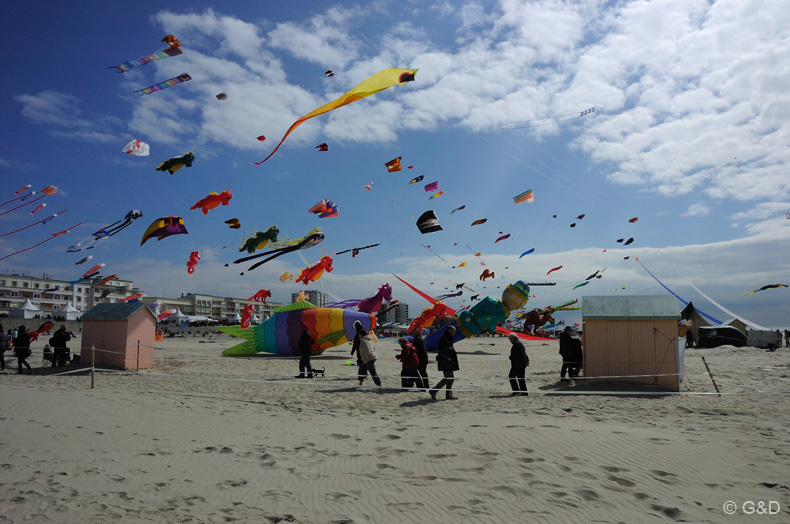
[[19, 341], [414, 360]]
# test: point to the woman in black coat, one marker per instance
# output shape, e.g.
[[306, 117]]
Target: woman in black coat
[[22, 349], [305, 352], [447, 360]]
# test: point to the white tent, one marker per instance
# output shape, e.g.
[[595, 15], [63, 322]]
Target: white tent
[[255, 320], [26, 310], [68, 312], [178, 317], [235, 320]]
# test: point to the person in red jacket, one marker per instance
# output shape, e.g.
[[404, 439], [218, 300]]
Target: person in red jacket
[[409, 375]]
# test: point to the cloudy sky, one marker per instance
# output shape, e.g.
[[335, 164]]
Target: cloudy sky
[[689, 133]]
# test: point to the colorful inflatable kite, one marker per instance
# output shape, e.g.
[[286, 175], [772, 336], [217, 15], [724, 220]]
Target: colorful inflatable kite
[[233, 223], [260, 239], [82, 261], [435, 195], [433, 186], [580, 285], [458, 209], [167, 83], [193, 261], [106, 279], [286, 276], [176, 163], [503, 237], [213, 200], [314, 272], [554, 269], [416, 179], [428, 222], [632, 220], [282, 331], [373, 304], [527, 252], [136, 148], [173, 50], [769, 286], [163, 228], [324, 209], [322, 147], [479, 221], [370, 86], [222, 96], [486, 274], [261, 296], [393, 166]]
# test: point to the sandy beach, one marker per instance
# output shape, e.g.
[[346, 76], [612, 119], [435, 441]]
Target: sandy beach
[[206, 438]]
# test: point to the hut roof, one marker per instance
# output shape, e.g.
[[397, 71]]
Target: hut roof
[[631, 307], [116, 311]]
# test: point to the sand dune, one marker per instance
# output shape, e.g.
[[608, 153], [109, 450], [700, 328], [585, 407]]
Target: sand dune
[[205, 438]]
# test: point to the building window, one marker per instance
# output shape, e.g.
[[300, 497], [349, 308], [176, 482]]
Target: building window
[[36, 295], [14, 293]]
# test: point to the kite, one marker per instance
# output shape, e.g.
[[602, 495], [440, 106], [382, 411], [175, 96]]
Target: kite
[[261, 296], [286, 276], [163, 228], [83, 260], [110, 290], [394, 166], [554, 269], [580, 285], [322, 147], [260, 239], [49, 190], [23, 188], [416, 179], [44, 221], [429, 315], [596, 275], [136, 148], [503, 237], [457, 209], [527, 252], [167, 83], [314, 272], [369, 187], [103, 234], [53, 235], [769, 286], [428, 222], [355, 251], [92, 271], [630, 240], [329, 327], [143, 60], [632, 220], [486, 274], [479, 221], [193, 261], [526, 196], [370, 86], [462, 264], [615, 288], [282, 247], [433, 186], [573, 225], [324, 209], [580, 216], [222, 96], [233, 223], [106, 279], [474, 297], [176, 163], [546, 121], [440, 193], [132, 298], [329, 73], [301, 296], [43, 328], [373, 304], [626, 258], [171, 41], [261, 138], [213, 200]]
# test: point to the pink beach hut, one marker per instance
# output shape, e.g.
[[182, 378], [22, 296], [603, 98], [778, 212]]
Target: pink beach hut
[[122, 335]]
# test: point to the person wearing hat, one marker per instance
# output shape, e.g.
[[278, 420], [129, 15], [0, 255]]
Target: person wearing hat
[[367, 355], [519, 361], [422, 355], [447, 360]]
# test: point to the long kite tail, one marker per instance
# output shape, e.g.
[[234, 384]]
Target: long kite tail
[[21, 205], [34, 223], [59, 233]]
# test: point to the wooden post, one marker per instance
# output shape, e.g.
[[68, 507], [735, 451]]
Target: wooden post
[[138, 356], [93, 363], [711, 376]]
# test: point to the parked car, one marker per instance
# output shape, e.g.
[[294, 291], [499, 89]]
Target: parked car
[[763, 338], [715, 336]]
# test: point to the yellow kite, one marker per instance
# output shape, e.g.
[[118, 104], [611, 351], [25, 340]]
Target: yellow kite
[[372, 85]]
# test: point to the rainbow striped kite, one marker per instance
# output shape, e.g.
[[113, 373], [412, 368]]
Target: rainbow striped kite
[[122, 68], [167, 83]]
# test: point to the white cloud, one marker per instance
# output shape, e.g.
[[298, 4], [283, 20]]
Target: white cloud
[[61, 115]]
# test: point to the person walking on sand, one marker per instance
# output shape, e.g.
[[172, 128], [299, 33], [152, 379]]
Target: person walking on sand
[[3, 346], [409, 374], [367, 352], [422, 356], [305, 351], [566, 351], [519, 361], [22, 349], [447, 360], [362, 371]]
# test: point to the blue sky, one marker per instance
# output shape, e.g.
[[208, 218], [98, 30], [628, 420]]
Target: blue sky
[[689, 133]]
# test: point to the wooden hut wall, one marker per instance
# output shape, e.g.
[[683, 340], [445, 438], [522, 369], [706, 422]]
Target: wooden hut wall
[[624, 348]]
